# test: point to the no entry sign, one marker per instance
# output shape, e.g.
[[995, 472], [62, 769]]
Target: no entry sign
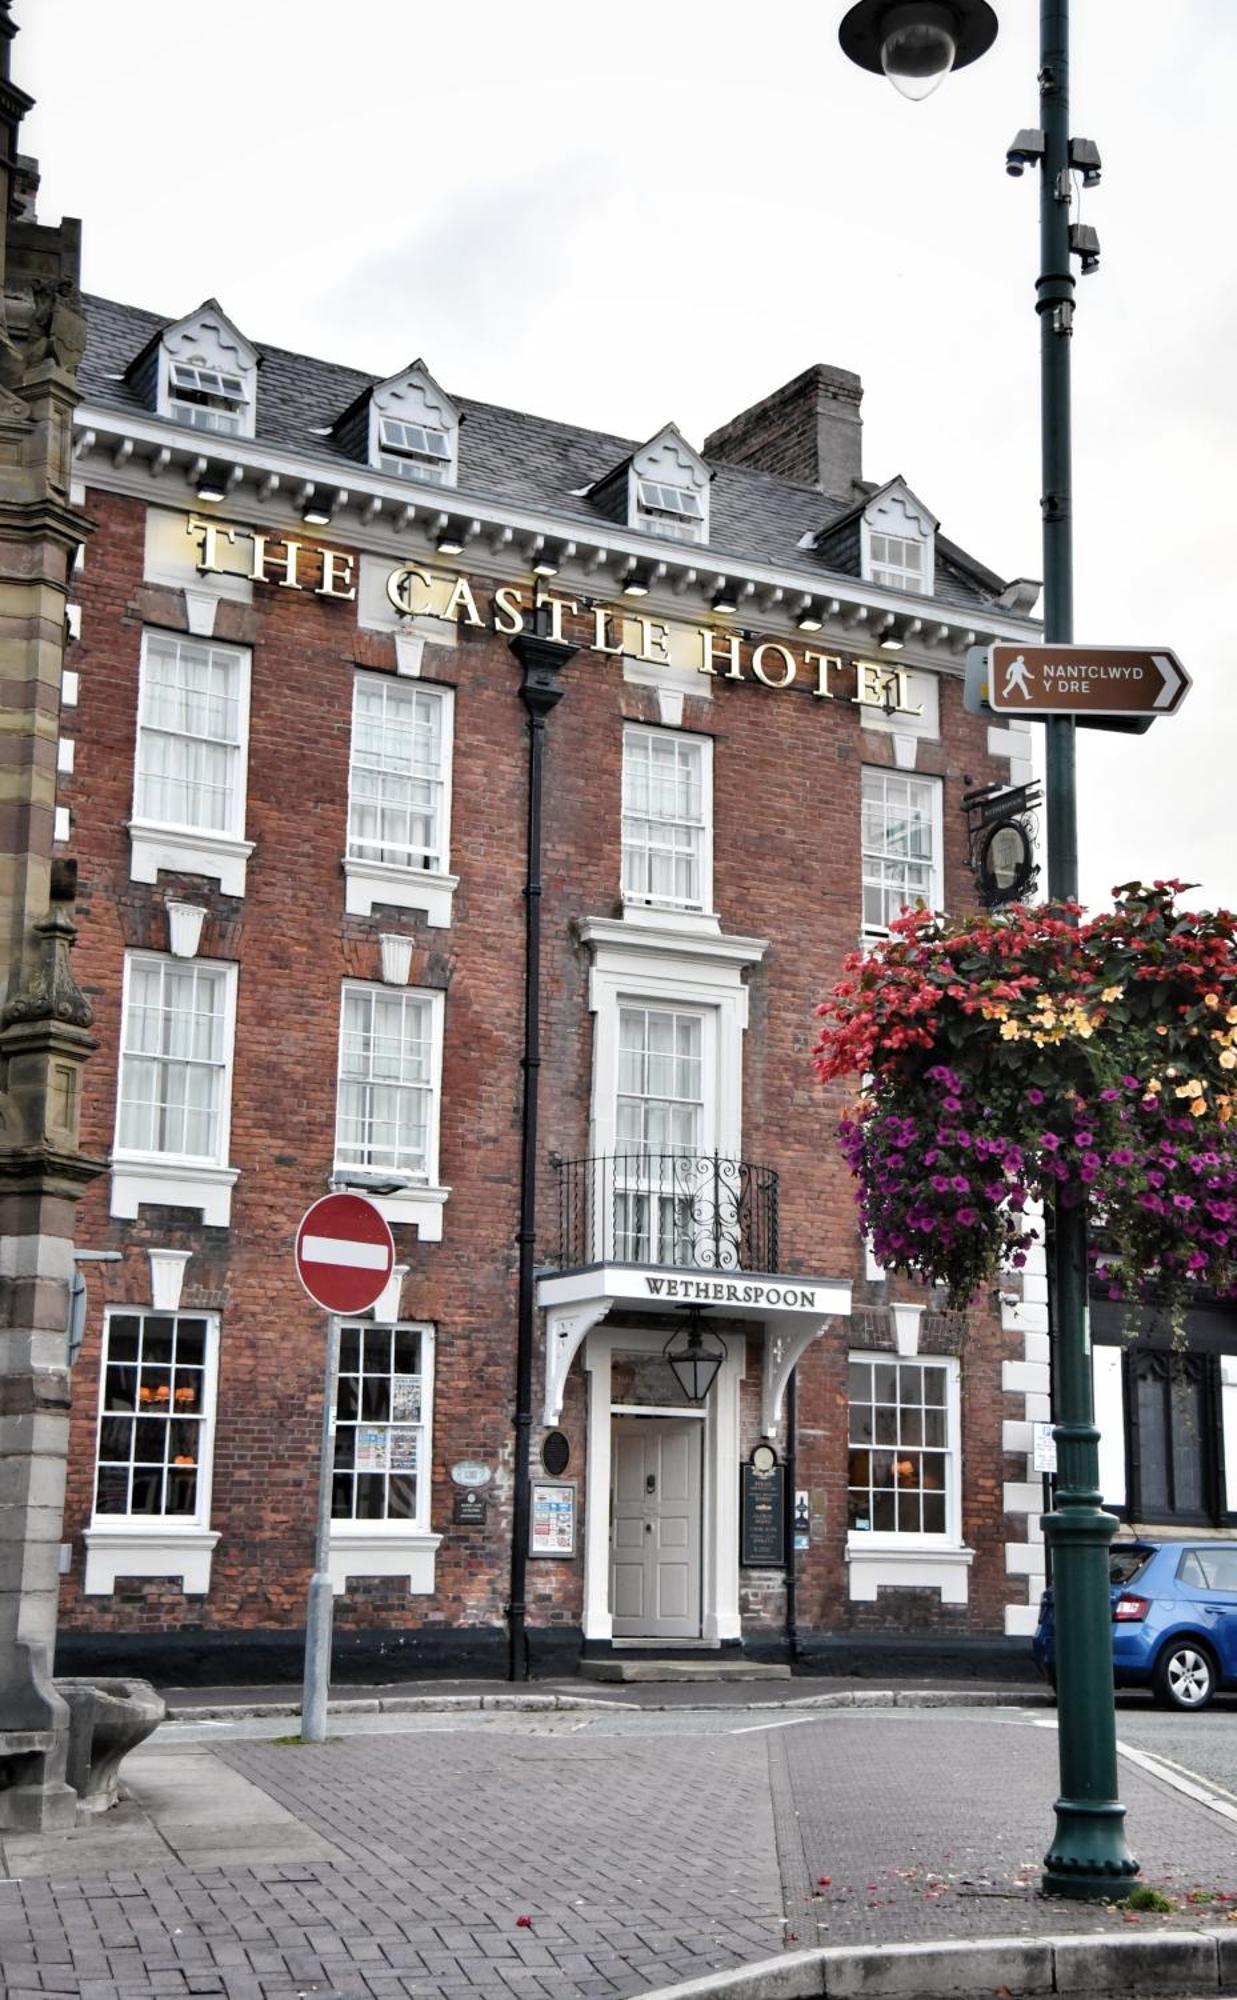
[[344, 1253]]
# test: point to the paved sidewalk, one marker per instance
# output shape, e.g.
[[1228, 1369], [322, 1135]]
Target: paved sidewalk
[[398, 1858]]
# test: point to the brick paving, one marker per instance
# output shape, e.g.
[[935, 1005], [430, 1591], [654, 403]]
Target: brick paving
[[941, 1834], [643, 1850]]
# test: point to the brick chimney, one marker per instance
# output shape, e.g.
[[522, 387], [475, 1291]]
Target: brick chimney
[[809, 430]]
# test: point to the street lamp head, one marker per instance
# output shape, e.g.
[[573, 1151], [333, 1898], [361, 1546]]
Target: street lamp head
[[917, 42]]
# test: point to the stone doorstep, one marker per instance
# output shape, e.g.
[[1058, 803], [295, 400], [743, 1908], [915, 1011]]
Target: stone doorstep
[[1170, 1963], [625, 1668]]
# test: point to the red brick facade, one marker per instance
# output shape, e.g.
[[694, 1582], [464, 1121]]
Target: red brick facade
[[787, 771]]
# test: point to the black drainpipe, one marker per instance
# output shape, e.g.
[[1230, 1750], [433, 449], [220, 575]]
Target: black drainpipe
[[542, 659], [788, 1515]]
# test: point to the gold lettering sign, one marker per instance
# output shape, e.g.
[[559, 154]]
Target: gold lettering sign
[[417, 592]]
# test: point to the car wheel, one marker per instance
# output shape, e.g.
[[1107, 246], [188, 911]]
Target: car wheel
[[1185, 1675]]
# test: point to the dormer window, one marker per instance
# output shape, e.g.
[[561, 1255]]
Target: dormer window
[[896, 562], [406, 427], [206, 398], [897, 540], [200, 372], [670, 510], [413, 451]]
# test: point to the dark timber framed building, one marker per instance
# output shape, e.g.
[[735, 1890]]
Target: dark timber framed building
[[293, 770]]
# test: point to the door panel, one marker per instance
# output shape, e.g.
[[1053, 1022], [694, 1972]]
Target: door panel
[[655, 1529]]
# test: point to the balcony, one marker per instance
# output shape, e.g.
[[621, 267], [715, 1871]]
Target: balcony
[[696, 1212]]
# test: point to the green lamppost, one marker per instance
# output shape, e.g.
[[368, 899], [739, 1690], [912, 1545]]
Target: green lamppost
[[916, 43]]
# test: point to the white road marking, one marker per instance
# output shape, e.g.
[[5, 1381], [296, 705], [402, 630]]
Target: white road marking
[[787, 1722], [1216, 1800]]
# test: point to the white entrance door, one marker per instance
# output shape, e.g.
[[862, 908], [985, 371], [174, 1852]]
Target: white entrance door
[[655, 1528]]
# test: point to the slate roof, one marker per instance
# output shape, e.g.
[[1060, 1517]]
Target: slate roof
[[509, 455]]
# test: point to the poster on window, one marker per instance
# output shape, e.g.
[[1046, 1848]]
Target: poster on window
[[554, 1517], [373, 1452], [404, 1450], [406, 1399]]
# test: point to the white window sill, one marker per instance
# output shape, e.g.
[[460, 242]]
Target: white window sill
[[221, 857], [670, 917], [370, 882], [419, 1207], [148, 1548], [368, 1548], [886, 1562], [173, 1184]]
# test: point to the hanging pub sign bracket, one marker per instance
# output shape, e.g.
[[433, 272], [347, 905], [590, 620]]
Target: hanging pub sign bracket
[[1001, 831]]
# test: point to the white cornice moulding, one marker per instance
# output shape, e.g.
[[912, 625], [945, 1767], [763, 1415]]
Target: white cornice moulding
[[167, 1276], [185, 922], [677, 939], [98, 431]]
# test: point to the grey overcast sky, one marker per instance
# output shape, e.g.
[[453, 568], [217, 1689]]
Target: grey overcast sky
[[619, 215]]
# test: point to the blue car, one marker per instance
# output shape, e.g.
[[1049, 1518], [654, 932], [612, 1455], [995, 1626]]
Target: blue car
[[1174, 1620]]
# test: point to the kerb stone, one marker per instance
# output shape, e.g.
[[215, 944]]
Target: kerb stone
[[1172, 1962], [926, 1971]]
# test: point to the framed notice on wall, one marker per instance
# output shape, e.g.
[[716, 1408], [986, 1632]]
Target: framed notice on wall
[[554, 1518]]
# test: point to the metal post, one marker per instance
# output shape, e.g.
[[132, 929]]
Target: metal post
[[1088, 1856], [321, 1607], [542, 660]]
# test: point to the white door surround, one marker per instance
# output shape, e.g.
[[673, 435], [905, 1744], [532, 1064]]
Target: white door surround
[[719, 1481], [655, 1519]]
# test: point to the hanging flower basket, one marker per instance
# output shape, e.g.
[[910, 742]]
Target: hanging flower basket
[[1032, 1057]]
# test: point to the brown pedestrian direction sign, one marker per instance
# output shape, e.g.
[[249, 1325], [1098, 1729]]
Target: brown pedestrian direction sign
[[1085, 680]]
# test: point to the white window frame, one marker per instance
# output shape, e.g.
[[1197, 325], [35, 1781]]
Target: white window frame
[[202, 1182], [404, 460], [393, 1547], [222, 412], [666, 509], [646, 1204], [936, 789], [420, 1198], [219, 853], [882, 1559], [891, 568], [406, 886], [139, 1545], [951, 1535], [702, 748]]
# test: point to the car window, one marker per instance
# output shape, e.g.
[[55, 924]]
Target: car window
[[1209, 1569], [1125, 1563]]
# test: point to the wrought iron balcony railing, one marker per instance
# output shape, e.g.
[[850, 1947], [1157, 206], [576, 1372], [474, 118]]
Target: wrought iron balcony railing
[[700, 1211]]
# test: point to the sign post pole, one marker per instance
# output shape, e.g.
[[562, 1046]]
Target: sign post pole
[[345, 1254], [321, 1608]]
